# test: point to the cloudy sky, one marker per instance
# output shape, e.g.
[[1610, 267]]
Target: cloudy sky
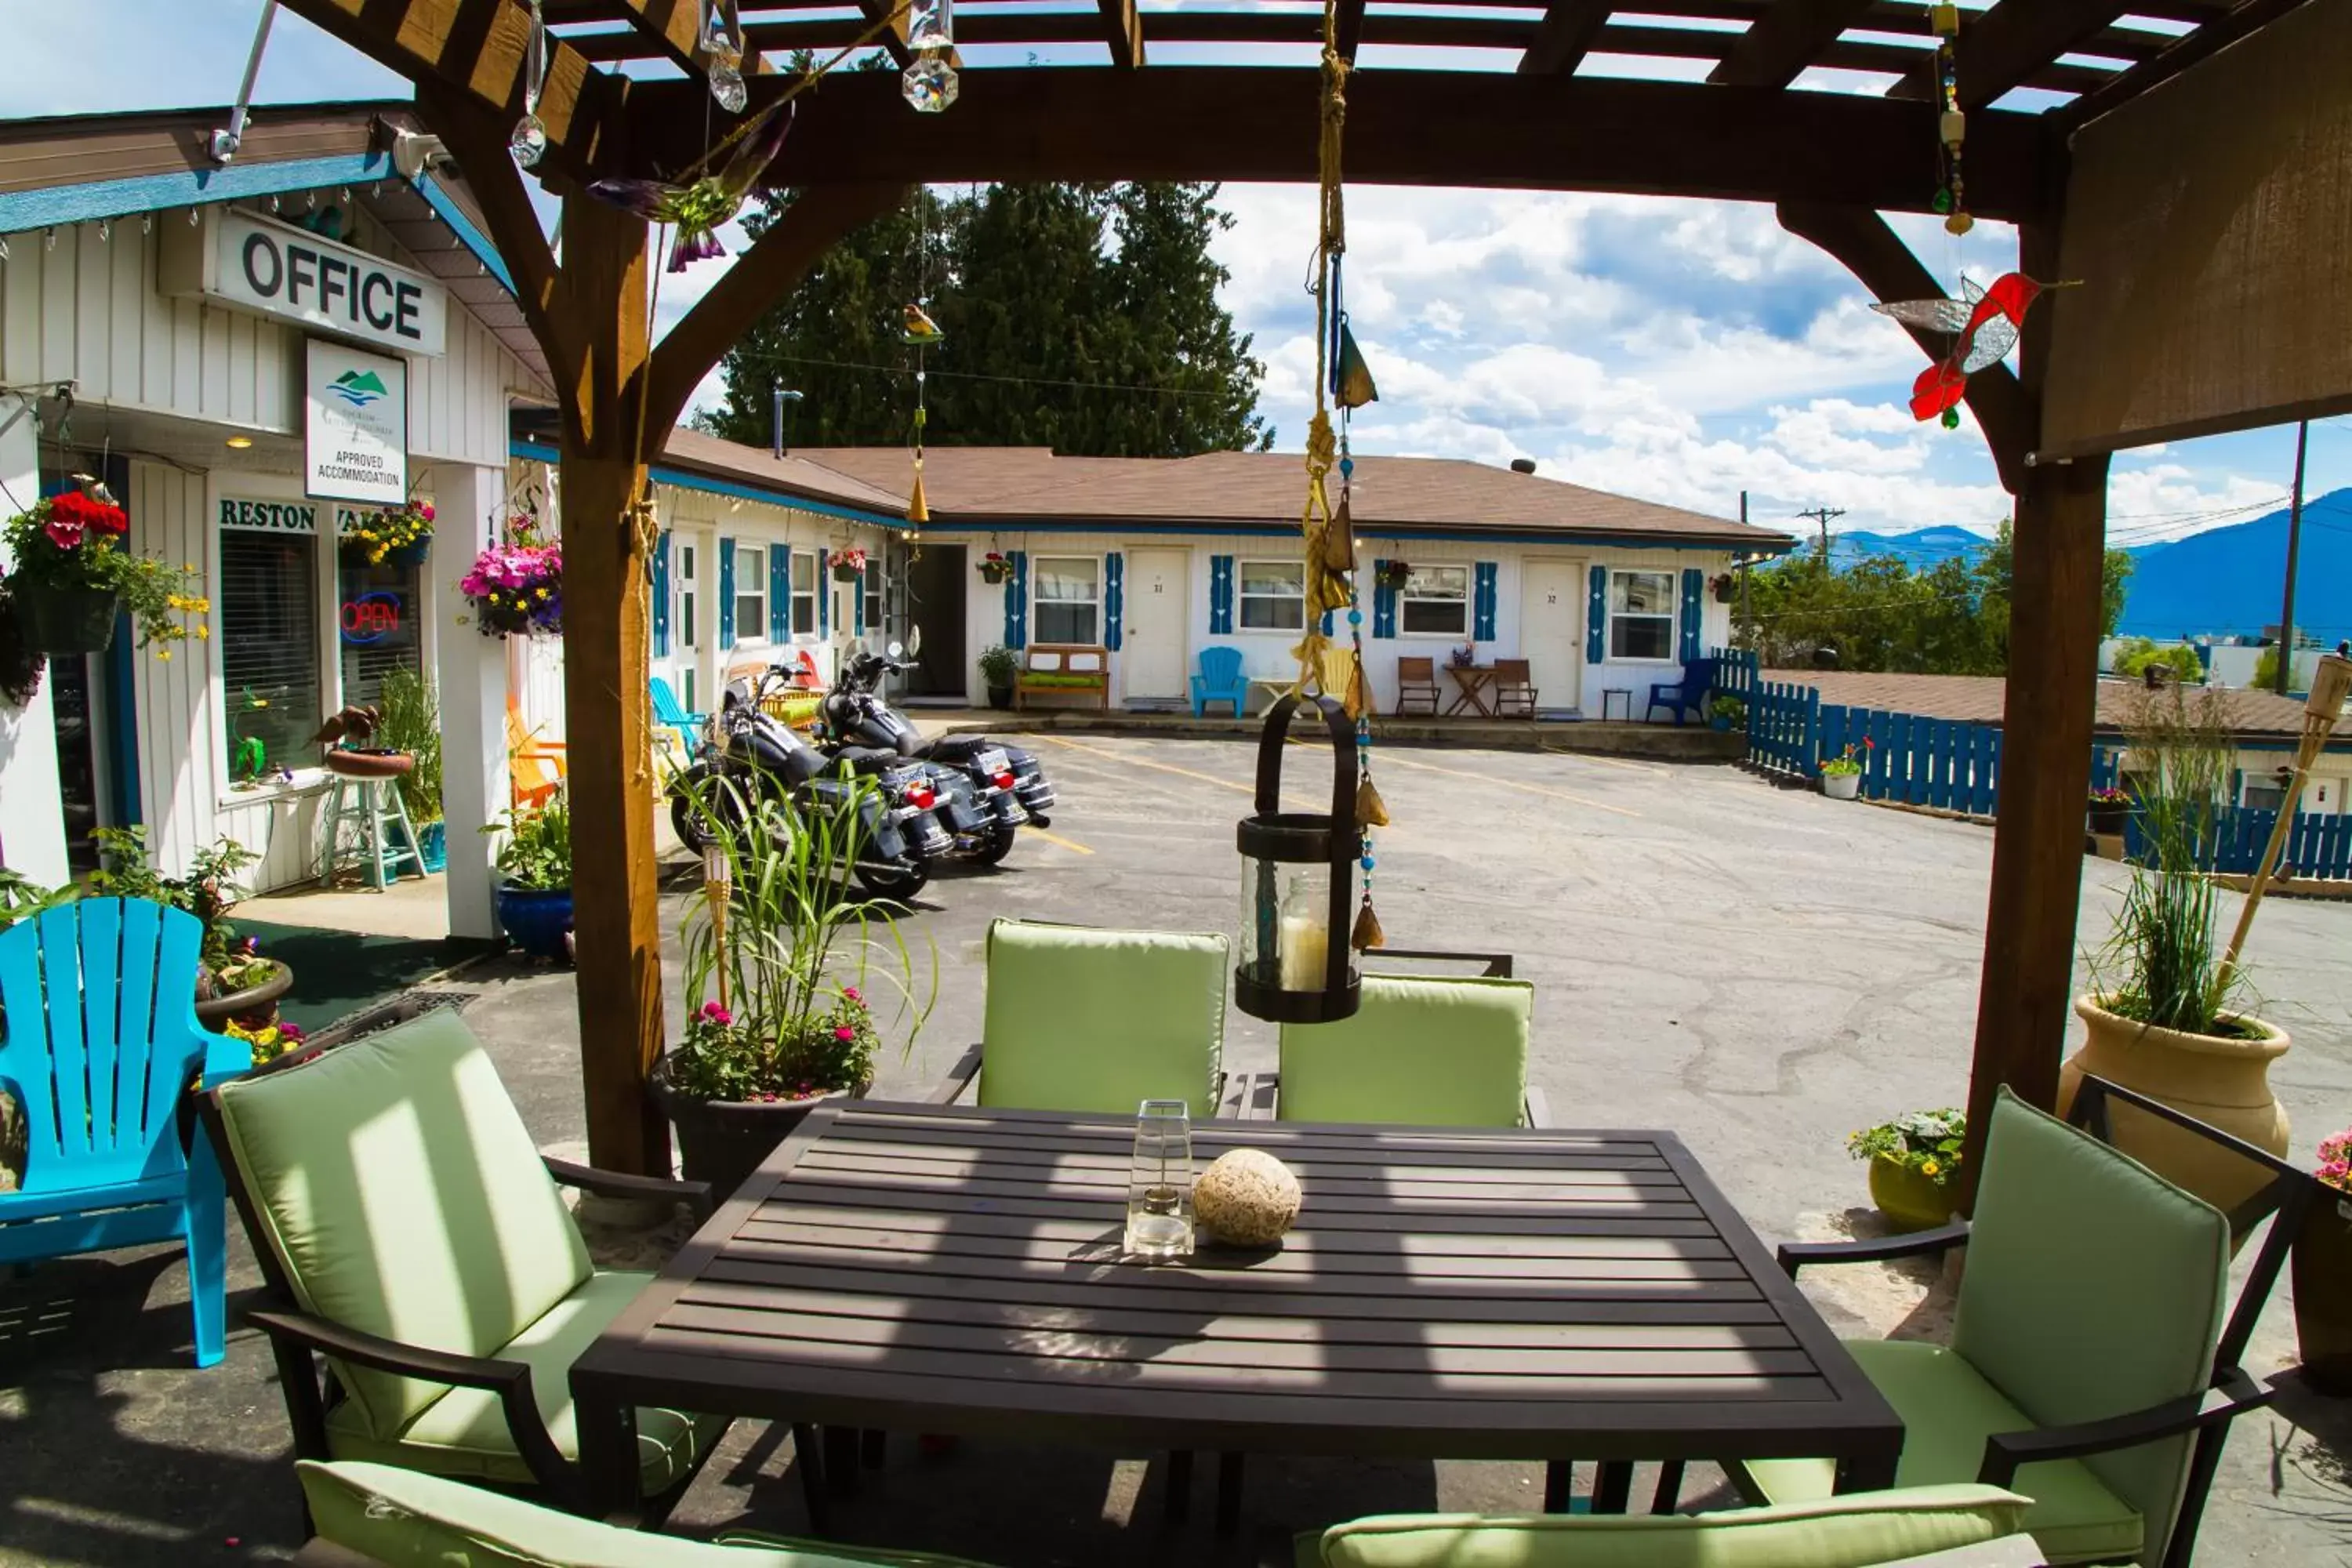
[[1679, 351]]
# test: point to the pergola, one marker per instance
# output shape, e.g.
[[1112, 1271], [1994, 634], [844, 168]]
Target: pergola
[[2197, 181]]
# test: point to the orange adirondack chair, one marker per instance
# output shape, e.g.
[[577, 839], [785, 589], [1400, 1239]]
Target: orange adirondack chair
[[534, 764]]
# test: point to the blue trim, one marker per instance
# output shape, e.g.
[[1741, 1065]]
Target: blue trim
[[824, 591], [1290, 532], [780, 593], [1114, 599], [1694, 586], [1384, 602], [726, 593], [858, 600], [539, 452], [472, 238], [1482, 602], [1221, 596], [122, 728], [1596, 616], [186, 187], [1016, 601], [661, 595]]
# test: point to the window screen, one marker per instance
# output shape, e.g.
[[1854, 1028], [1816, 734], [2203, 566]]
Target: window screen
[[268, 604], [379, 626], [1064, 598], [1274, 595]]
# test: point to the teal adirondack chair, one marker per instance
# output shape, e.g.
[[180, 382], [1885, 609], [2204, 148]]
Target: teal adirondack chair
[[101, 1038], [671, 714], [1220, 680]]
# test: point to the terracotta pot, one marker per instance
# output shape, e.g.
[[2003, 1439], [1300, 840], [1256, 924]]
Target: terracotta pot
[[722, 1142], [1842, 786], [2323, 1292], [2224, 1083], [369, 764], [215, 1011], [1908, 1200]]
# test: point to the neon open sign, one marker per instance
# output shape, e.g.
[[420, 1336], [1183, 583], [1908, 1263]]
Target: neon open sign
[[371, 617]]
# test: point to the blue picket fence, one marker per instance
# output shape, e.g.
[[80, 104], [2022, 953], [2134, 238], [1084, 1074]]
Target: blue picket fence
[[2315, 845]]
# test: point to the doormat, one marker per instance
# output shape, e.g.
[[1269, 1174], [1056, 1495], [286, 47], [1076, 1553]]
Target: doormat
[[337, 973]]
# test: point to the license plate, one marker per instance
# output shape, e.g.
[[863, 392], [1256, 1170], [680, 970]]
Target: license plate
[[991, 761]]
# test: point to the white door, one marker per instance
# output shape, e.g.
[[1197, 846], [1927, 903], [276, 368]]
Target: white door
[[1153, 621], [1551, 631]]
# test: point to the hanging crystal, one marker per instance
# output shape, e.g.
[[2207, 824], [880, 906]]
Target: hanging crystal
[[528, 141], [723, 60], [930, 25], [931, 82]]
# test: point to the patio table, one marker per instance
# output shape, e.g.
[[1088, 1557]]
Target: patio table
[[1472, 682], [1447, 1293]]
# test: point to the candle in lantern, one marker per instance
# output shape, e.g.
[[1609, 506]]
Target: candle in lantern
[[1305, 942]]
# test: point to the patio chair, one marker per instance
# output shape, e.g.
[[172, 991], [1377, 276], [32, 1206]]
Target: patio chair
[[1082, 1018], [1515, 690], [101, 1043], [1221, 680], [409, 1232], [1416, 683], [378, 1516], [671, 715], [2095, 1354], [1948, 1526], [1687, 695], [534, 766]]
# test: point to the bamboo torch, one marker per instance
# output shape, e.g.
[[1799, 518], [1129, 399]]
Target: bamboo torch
[[717, 873], [2329, 687]]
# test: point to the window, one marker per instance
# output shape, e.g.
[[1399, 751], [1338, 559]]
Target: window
[[1641, 614], [2265, 790], [875, 597], [269, 603], [1436, 602], [1066, 600], [688, 594], [1274, 595], [803, 594], [378, 630], [750, 592]]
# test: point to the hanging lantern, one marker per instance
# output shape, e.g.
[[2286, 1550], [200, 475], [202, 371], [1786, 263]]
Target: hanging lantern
[[1298, 873]]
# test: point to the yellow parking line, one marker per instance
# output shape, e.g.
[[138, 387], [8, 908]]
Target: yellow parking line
[[1056, 839], [1122, 757], [1390, 760]]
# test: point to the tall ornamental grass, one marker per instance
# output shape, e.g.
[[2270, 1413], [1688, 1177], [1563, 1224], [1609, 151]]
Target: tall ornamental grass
[[2164, 956]]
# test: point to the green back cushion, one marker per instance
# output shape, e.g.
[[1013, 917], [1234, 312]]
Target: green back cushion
[[1434, 1052], [2093, 1288], [1091, 1020], [1835, 1532], [399, 1190]]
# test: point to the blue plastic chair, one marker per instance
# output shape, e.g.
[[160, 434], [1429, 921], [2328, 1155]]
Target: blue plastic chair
[[1687, 695], [671, 714], [1220, 680], [101, 1040]]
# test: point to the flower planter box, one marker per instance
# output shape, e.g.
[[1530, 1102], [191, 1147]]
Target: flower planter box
[[64, 621], [1842, 786], [1908, 1200], [722, 1142], [212, 1012]]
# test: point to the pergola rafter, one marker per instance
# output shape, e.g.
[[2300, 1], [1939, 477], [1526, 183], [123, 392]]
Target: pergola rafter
[[2012, 45]]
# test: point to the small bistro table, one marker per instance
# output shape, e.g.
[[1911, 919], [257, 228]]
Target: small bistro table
[[1472, 683], [1447, 1293]]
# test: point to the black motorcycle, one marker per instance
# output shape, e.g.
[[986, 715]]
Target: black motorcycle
[[1006, 780], [749, 756]]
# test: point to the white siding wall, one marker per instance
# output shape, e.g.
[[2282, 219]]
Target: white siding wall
[[1268, 653]]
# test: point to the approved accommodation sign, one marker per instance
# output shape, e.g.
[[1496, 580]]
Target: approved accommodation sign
[[356, 430]]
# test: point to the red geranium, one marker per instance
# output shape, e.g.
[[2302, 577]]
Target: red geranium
[[78, 512]]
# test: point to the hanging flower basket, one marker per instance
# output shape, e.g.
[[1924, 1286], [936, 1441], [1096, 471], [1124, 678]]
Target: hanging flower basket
[[402, 535], [1725, 586], [848, 565], [996, 568], [73, 578], [516, 586]]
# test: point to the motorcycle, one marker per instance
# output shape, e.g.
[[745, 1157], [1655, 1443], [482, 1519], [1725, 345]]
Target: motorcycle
[[1005, 779], [749, 756]]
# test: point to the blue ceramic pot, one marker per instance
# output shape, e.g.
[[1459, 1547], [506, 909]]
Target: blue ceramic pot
[[433, 845], [534, 919]]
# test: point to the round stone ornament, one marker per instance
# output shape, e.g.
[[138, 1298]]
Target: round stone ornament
[[1247, 1197]]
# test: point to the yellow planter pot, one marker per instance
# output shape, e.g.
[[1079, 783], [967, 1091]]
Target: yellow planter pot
[[1908, 1200], [2224, 1083]]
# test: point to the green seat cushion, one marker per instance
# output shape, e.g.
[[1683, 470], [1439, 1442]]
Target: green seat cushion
[[464, 1433], [1084, 1019], [2095, 1288], [400, 1194], [1948, 1411], [1419, 1049], [1831, 1532], [406, 1519], [1071, 677]]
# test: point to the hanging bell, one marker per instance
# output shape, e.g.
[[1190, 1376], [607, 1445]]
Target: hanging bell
[[1944, 19], [1959, 223], [1951, 418], [1953, 126], [1339, 540], [919, 511]]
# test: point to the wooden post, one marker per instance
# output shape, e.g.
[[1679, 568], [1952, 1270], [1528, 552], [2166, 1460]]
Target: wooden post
[[606, 697]]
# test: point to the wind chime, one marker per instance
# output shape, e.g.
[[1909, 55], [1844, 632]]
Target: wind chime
[[1951, 125], [1299, 866], [918, 331]]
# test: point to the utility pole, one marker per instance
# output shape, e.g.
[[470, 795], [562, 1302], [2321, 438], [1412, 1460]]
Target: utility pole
[[1824, 515], [2293, 546]]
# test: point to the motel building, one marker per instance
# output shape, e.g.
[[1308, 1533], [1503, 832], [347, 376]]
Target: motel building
[[251, 356]]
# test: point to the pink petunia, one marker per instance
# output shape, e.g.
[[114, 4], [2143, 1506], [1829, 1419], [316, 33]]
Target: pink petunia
[[844, 1033], [64, 532]]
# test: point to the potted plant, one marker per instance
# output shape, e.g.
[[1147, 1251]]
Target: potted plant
[[2322, 1273], [410, 721], [792, 955], [1725, 585], [401, 534], [994, 568], [533, 866], [2161, 1018], [1912, 1160], [1725, 712], [1393, 575], [73, 575], [848, 565], [999, 667], [1841, 775], [2109, 810], [234, 980], [1464, 657], [516, 585]]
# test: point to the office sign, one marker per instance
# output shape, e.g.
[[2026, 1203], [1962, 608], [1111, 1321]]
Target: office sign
[[354, 425], [277, 270]]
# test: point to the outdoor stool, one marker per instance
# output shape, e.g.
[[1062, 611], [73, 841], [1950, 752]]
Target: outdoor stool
[[385, 837]]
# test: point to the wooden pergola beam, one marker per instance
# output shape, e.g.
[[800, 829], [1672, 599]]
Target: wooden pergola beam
[[1123, 27], [1567, 35], [2170, 61], [1348, 27], [1999, 49], [1785, 39]]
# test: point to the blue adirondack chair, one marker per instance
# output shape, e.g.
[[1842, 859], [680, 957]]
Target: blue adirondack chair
[[101, 1038], [1687, 695], [671, 714], [1220, 680]]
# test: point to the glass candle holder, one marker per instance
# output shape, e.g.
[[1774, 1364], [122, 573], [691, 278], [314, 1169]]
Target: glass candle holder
[[1160, 1183]]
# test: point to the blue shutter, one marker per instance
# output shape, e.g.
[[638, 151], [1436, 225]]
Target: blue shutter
[[1482, 604], [726, 593], [661, 595], [1694, 585], [1384, 601], [858, 601], [1016, 600], [1596, 617], [1114, 597], [823, 594], [1221, 596], [780, 593]]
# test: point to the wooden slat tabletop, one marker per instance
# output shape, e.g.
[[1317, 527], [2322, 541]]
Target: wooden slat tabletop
[[1455, 1293]]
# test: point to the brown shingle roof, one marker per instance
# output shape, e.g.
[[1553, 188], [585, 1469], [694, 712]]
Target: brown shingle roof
[[795, 473], [1976, 699]]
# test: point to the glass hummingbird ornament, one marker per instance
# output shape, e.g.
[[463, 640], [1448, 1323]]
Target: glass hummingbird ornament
[[700, 207], [919, 329], [722, 53], [1984, 325]]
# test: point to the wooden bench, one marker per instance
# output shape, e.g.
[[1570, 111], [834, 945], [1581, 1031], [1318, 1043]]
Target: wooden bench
[[1064, 669]]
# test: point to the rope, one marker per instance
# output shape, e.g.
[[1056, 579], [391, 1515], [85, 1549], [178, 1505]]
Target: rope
[[1327, 590]]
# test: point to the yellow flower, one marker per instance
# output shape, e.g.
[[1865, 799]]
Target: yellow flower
[[542, 593], [164, 654], [1929, 1168], [204, 633]]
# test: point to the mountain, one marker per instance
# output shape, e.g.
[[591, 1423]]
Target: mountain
[[2228, 579], [1920, 550]]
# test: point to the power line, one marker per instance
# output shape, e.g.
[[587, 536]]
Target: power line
[[770, 359]]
